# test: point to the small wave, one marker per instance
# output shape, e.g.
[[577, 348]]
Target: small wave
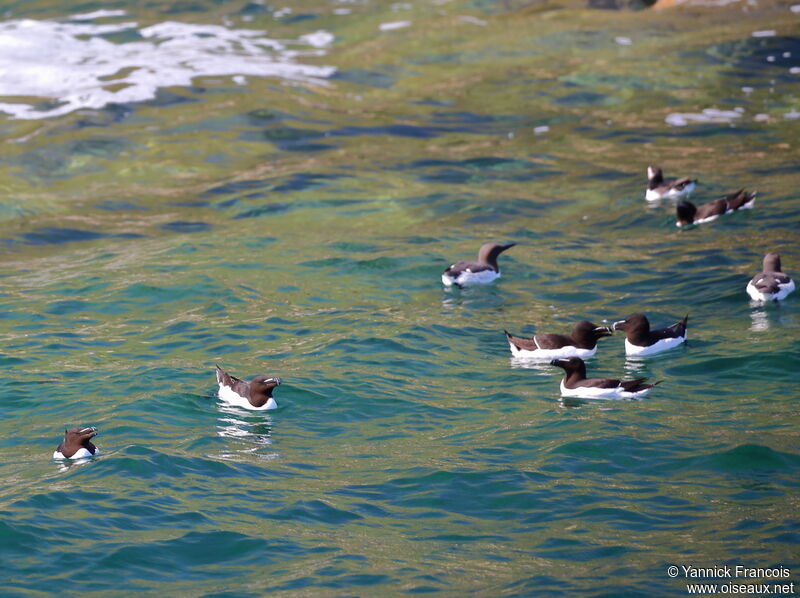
[[73, 65]]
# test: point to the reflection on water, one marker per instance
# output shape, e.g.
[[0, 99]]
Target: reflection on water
[[255, 431], [235, 423], [759, 317], [539, 365], [473, 297], [64, 465], [636, 366], [572, 402], [667, 203], [770, 314], [577, 402]]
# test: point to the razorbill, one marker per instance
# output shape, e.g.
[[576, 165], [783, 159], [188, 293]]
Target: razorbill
[[581, 343], [688, 213], [641, 341], [771, 284], [576, 384], [256, 394], [77, 444], [484, 271], [658, 188]]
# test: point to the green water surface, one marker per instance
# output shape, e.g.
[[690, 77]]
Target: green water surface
[[300, 230]]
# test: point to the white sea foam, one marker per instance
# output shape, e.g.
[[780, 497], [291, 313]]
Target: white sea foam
[[71, 66], [709, 115], [318, 39], [394, 25], [472, 20], [97, 14]]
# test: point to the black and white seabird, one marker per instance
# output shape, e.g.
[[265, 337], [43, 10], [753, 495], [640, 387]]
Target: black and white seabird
[[576, 384], [582, 343], [658, 188], [484, 271], [641, 341], [688, 213], [771, 284], [256, 394], [77, 444]]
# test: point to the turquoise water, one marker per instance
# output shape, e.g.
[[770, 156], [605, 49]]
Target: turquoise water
[[299, 226]]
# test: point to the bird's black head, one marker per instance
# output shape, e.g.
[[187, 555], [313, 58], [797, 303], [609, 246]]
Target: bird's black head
[[589, 330], [76, 439], [772, 262], [264, 384], [569, 364], [79, 435], [490, 251], [633, 321], [685, 212], [655, 176]]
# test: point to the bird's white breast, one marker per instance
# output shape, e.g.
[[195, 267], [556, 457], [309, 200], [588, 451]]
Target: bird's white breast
[[467, 277], [662, 345], [81, 453], [227, 394], [588, 392], [548, 354], [783, 290], [652, 195], [707, 219], [672, 192]]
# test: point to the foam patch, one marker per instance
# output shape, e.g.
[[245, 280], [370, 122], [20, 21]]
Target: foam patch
[[70, 65]]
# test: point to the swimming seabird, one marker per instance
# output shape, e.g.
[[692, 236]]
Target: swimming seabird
[[581, 343], [256, 394], [658, 188], [688, 213], [483, 271], [771, 284], [641, 341], [77, 444], [576, 384]]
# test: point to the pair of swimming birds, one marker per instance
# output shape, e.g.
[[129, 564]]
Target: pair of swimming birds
[[771, 284], [688, 213], [569, 352], [640, 339], [255, 394]]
